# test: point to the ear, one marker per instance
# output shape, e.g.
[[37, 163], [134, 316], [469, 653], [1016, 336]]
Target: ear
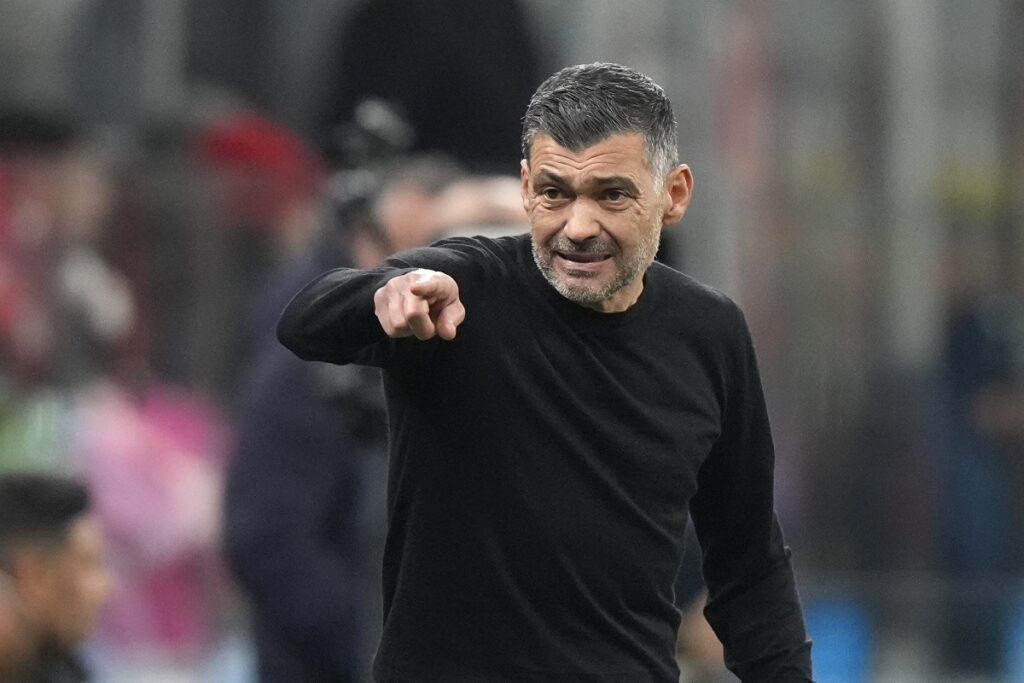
[[524, 185], [678, 191]]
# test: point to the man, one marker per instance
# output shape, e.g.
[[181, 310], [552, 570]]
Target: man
[[557, 402], [51, 548]]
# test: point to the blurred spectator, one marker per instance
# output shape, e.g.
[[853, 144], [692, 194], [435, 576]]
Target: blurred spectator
[[457, 71], [64, 306], [95, 308], [982, 469], [67, 313], [291, 521], [305, 493], [33, 145], [51, 547], [153, 458], [261, 181], [75, 393]]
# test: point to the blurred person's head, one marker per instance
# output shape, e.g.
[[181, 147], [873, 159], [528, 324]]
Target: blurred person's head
[[405, 208], [87, 194], [392, 207], [51, 548], [34, 144], [268, 176], [482, 204], [425, 197], [34, 147]]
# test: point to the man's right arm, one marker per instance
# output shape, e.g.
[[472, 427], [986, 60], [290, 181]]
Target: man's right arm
[[352, 316]]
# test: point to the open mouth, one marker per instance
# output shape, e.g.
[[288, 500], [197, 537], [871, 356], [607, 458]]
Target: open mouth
[[582, 256]]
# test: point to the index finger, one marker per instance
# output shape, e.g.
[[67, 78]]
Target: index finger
[[429, 283]]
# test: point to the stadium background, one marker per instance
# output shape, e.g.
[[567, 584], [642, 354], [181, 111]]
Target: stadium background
[[859, 190]]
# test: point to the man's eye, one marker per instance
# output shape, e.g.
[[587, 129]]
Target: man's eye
[[614, 195], [551, 193]]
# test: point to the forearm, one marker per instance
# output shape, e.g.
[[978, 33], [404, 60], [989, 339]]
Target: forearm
[[759, 619], [332, 319], [753, 604]]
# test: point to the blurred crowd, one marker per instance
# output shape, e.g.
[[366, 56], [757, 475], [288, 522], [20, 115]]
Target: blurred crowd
[[240, 491], [138, 295], [143, 265]]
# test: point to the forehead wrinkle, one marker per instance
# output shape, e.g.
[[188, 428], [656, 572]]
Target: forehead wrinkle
[[589, 182], [589, 168]]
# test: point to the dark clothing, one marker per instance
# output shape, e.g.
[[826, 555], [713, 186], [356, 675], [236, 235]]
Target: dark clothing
[[294, 533], [980, 480], [56, 666], [542, 464]]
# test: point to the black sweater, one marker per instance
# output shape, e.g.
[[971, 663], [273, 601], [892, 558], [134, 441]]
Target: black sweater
[[542, 464]]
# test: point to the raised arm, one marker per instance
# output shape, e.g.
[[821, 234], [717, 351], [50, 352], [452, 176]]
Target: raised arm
[[351, 316], [752, 600], [358, 316]]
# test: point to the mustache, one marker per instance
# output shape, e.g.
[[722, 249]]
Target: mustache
[[591, 246]]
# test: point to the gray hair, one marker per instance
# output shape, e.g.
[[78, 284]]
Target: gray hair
[[581, 105]]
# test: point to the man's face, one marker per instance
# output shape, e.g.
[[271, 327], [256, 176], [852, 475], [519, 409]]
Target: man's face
[[73, 585], [596, 216]]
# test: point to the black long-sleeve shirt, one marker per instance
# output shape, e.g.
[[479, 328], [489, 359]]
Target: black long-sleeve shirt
[[542, 465]]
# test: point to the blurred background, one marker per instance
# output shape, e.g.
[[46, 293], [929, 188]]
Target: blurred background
[[170, 169]]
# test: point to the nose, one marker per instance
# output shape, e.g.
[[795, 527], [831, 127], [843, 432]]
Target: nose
[[582, 222]]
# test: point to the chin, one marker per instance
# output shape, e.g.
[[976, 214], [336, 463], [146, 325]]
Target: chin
[[587, 294]]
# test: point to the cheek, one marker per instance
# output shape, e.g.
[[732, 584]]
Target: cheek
[[647, 223], [84, 596], [544, 224], [94, 588], [629, 228]]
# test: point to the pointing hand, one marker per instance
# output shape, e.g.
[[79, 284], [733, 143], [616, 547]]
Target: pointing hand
[[423, 303]]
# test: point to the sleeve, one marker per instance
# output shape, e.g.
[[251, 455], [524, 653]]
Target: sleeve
[[753, 604], [332, 319]]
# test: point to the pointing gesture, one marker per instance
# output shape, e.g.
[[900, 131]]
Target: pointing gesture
[[423, 303]]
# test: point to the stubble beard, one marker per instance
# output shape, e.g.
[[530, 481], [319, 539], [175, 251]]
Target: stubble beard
[[626, 270]]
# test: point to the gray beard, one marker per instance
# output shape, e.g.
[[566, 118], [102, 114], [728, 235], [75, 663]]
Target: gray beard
[[626, 273]]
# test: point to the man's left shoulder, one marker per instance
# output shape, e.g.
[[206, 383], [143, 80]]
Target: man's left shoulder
[[471, 260], [494, 247], [690, 297]]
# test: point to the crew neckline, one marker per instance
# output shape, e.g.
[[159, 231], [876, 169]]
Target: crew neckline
[[578, 312]]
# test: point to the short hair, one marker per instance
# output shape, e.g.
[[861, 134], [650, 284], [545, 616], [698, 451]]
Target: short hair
[[581, 105], [37, 508]]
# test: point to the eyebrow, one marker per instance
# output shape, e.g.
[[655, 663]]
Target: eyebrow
[[546, 176]]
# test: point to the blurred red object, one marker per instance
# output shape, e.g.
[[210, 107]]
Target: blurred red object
[[265, 168]]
